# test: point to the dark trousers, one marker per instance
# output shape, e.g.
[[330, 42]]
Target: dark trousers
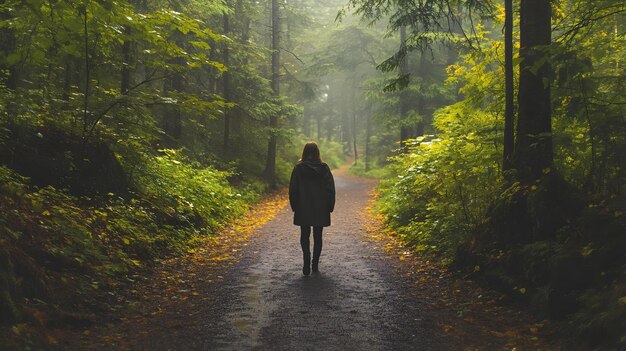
[[305, 233]]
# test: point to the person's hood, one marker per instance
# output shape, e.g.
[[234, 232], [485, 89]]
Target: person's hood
[[311, 168]]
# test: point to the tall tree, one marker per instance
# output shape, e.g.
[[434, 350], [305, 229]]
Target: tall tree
[[509, 107], [226, 89], [270, 166], [8, 69], [533, 148], [404, 72]]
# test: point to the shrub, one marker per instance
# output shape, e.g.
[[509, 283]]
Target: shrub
[[442, 186]]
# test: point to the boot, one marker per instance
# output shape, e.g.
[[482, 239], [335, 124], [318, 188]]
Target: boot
[[306, 268], [316, 261]]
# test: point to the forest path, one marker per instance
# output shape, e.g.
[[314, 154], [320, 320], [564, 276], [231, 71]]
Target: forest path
[[354, 303], [364, 298]]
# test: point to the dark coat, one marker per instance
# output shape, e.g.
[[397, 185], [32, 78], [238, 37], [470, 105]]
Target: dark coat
[[312, 194]]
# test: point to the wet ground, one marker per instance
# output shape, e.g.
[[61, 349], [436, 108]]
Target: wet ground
[[356, 302], [363, 298]]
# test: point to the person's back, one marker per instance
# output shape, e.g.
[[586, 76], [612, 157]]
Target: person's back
[[312, 198]]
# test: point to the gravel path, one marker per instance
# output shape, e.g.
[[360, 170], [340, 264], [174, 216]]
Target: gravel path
[[363, 298], [356, 302]]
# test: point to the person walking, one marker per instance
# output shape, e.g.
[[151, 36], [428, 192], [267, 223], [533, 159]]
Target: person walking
[[312, 199]]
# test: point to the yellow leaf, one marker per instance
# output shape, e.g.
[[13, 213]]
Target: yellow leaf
[[126, 241], [52, 340]]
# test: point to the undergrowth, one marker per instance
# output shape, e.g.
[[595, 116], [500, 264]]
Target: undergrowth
[[358, 169], [64, 255]]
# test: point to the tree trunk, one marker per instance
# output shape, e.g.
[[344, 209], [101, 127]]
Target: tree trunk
[[245, 26], [330, 128], [346, 138], [404, 103], [270, 166], [319, 127], [356, 154], [509, 112], [67, 78], [85, 127], [533, 149], [421, 100], [7, 47], [126, 57], [306, 123], [368, 134], [8, 71], [226, 82]]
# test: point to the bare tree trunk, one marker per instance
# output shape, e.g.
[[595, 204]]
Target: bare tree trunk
[[245, 26], [67, 78], [404, 103], [533, 149], [226, 82], [7, 47], [83, 12], [319, 127], [306, 123], [172, 123], [368, 134], [421, 100], [270, 166], [330, 128], [509, 109], [9, 71], [356, 154]]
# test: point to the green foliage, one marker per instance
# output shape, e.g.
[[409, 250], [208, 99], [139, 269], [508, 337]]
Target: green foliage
[[602, 317], [187, 193], [447, 192], [441, 188], [589, 124], [374, 172], [332, 153], [87, 245]]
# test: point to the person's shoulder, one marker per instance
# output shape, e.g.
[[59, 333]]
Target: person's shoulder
[[298, 166]]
